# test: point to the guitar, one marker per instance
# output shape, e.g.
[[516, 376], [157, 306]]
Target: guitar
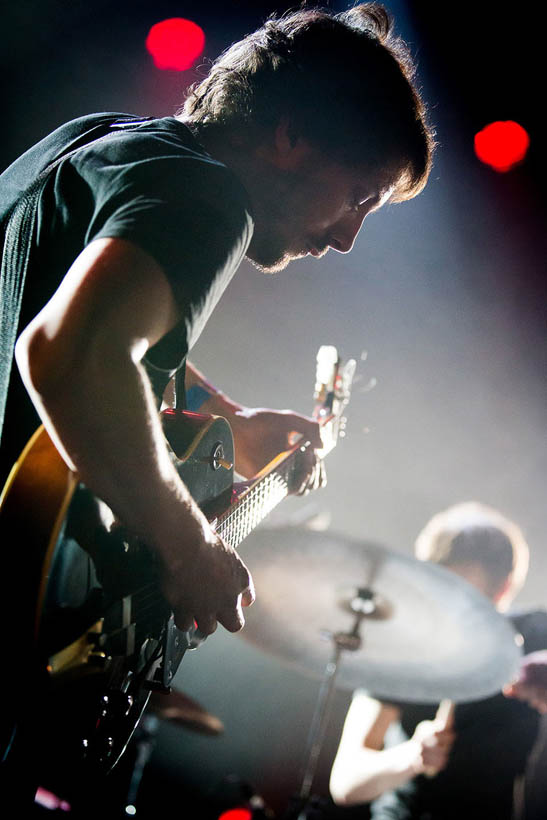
[[103, 632]]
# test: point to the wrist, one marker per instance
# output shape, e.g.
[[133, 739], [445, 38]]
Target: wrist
[[204, 398], [182, 529], [414, 761], [197, 396]]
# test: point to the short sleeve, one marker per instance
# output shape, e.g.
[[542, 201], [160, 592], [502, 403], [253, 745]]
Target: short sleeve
[[188, 212]]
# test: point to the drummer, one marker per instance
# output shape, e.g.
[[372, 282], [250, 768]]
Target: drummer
[[407, 760]]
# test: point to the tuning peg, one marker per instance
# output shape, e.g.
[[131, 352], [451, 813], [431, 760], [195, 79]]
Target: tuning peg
[[370, 385]]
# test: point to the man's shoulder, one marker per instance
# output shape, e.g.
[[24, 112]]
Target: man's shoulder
[[162, 152], [131, 139], [51, 148]]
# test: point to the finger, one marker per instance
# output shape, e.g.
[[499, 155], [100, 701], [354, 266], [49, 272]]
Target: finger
[[310, 475], [309, 428], [304, 489], [320, 478], [232, 618], [537, 694], [246, 586], [313, 477], [519, 690], [184, 621], [322, 475], [207, 623]]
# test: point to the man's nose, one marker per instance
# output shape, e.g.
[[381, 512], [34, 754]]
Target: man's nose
[[344, 233]]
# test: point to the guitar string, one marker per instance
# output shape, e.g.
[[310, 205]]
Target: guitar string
[[149, 594]]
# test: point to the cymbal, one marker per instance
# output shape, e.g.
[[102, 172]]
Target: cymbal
[[426, 634], [180, 709]]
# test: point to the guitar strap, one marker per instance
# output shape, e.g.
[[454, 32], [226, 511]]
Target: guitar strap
[[180, 390], [19, 232]]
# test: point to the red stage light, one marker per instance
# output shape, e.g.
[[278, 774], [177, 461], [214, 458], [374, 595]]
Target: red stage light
[[502, 145], [236, 814], [175, 43]]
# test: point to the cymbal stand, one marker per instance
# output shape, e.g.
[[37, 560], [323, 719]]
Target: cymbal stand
[[145, 737], [362, 604]]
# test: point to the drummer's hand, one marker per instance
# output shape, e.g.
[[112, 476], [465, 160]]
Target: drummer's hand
[[433, 744], [261, 434], [531, 683]]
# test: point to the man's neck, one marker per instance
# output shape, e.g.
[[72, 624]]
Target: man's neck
[[237, 155]]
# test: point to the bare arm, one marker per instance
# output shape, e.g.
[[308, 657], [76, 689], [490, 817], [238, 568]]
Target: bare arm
[[363, 769], [80, 360]]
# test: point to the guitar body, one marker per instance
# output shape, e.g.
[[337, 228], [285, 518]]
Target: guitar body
[[103, 635]]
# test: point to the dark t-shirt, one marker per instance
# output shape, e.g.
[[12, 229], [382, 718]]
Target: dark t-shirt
[[148, 181], [493, 740]]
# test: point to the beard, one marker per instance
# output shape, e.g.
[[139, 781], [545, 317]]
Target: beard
[[268, 253], [281, 215], [269, 263], [272, 247]]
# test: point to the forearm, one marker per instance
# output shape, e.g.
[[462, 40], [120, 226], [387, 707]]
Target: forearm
[[80, 359], [368, 773], [204, 397], [260, 434], [101, 415]]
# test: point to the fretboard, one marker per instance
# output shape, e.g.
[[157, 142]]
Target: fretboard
[[256, 502]]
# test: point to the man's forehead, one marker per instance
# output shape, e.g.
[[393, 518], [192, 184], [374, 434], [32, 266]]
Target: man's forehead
[[379, 183]]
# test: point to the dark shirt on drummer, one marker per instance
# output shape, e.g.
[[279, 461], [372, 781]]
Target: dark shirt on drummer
[[494, 738]]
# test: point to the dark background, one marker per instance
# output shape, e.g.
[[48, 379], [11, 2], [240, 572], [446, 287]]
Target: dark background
[[446, 294]]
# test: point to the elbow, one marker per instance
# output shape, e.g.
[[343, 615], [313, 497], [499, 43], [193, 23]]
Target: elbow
[[339, 788], [36, 363], [350, 788], [339, 796], [31, 356], [43, 364]]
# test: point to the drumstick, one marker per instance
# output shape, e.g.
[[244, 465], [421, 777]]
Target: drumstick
[[444, 716]]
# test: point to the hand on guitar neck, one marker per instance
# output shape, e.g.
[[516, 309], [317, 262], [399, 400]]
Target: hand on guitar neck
[[261, 434]]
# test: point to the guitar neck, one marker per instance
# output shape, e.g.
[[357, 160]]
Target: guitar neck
[[278, 479], [258, 499]]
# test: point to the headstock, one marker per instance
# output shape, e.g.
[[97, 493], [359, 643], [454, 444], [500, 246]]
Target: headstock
[[333, 381]]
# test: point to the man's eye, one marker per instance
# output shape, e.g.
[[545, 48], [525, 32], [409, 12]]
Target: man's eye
[[358, 202]]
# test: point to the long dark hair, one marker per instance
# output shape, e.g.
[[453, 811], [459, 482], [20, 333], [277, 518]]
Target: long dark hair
[[344, 82]]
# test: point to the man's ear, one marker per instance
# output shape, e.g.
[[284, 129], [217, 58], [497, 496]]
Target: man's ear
[[504, 594], [288, 151]]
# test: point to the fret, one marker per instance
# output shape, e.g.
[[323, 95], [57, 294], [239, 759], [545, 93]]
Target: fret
[[245, 515], [331, 394]]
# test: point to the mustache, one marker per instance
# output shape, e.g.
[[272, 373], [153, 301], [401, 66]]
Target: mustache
[[319, 249]]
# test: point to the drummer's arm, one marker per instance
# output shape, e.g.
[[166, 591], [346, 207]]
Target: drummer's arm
[[363, 769]]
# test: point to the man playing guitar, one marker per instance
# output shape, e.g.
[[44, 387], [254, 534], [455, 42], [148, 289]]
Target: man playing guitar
[[135, 227]]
